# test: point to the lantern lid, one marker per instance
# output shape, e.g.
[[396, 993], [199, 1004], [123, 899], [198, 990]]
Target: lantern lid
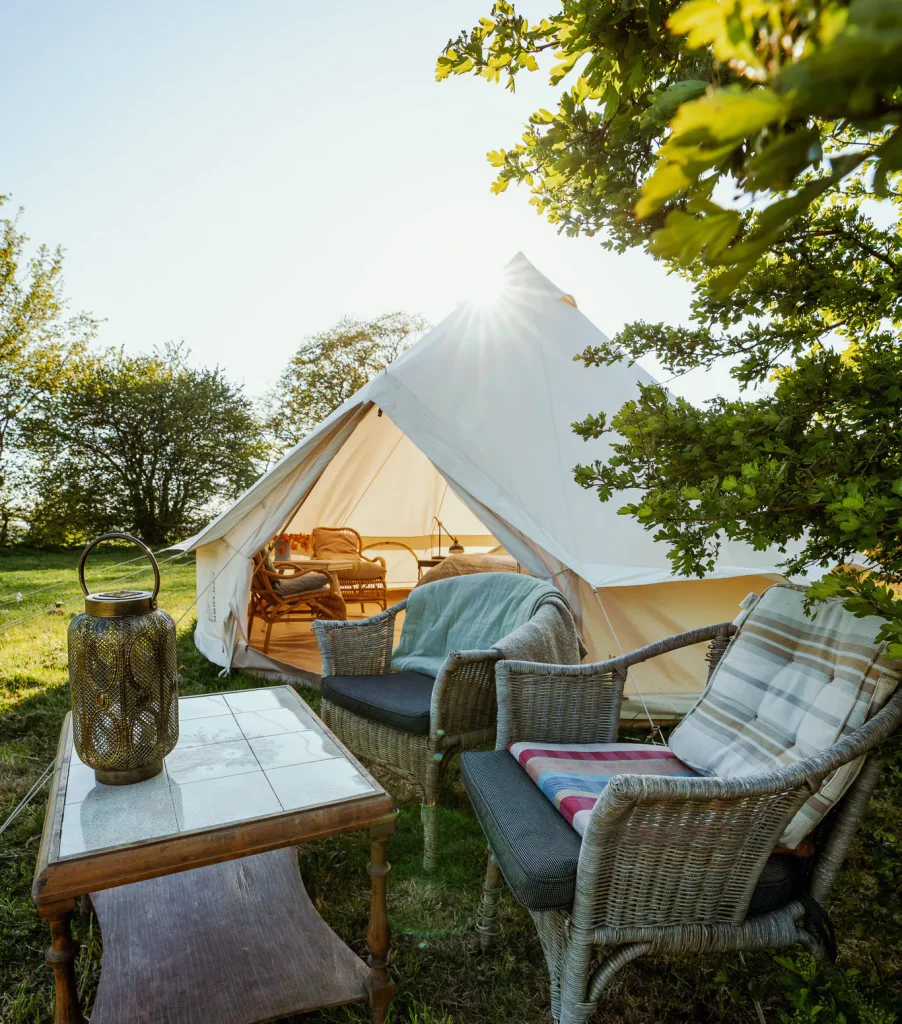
[[114, 604]]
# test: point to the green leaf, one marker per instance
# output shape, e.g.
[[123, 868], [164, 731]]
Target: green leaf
[[777, 164], [726, 115], [704, 132], [667, 181], [667, 102], [721, 26], [685, 238]]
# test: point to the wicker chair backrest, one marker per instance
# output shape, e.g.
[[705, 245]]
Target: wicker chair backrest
[[790, 685]]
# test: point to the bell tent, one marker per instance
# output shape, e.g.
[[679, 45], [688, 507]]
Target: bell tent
[[472, 426]]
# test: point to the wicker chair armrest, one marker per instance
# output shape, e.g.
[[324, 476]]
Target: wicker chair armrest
[[661, 851], [358, 648], [718, 636], [463, 698], [680, 851], [557, 703]]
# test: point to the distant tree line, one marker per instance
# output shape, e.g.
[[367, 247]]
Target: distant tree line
[[98, 439]]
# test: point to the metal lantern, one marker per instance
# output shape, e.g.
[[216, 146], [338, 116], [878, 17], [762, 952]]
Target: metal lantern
[[124, 676]]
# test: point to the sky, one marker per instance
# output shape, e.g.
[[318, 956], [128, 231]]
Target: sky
[[238, 175]]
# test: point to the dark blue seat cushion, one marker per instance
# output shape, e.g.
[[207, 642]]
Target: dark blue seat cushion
[[399, 699], [538, 851]]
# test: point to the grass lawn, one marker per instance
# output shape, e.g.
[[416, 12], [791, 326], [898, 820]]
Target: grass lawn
[[442, 975]]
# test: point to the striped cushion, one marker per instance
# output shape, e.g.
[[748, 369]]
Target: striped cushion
[[789, 686], [573, 775]]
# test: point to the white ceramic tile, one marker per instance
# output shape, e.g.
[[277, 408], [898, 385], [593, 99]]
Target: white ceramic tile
[[271, 722], [75, 758], [115, 815], [262, 699], [219, 801], [219, 729], [318, 782], [81, 781], [292, 748], [202, 707], [210, 761]]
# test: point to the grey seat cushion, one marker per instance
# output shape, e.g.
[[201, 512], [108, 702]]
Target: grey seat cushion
[[538, 851], [534, 846], [399, 699], [305, 584]]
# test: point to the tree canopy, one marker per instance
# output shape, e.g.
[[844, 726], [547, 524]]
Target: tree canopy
[[330, 366], [147, 443], [755, 147], [38, 345]]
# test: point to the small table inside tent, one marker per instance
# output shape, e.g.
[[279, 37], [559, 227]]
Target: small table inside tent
[[335, 565], [194, 873], [428, 563]]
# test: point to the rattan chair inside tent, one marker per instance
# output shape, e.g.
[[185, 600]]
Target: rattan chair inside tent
[[666, 864], [365, 580], [267, 604]]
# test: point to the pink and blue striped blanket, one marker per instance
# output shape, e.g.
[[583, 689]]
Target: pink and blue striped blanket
[[573, 775]]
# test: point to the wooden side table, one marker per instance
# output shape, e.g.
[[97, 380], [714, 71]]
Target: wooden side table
[[194, 876]]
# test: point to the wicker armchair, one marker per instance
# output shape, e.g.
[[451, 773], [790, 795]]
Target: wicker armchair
[[461, 712], [666, 865], [270, 606], [366, 580]]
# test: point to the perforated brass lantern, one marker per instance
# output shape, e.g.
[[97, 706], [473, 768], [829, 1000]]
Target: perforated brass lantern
[[124, 676]]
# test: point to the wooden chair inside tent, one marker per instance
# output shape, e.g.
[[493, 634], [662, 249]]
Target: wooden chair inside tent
[[272, 602], [365, 580]]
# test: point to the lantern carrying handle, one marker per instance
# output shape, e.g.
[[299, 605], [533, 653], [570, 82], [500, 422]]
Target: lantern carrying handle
[[120, 536]]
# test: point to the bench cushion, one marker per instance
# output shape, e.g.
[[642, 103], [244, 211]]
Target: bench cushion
[[362, 570], [789, 686], [401, 700], [538, 851], [573, 775]]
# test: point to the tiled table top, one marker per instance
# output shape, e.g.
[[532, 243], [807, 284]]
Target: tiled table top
[[240, 756]]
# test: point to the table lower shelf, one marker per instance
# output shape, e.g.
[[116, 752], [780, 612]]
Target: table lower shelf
[[235, 943]]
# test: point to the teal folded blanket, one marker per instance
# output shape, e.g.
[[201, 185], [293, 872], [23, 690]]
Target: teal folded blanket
[[466, 613]]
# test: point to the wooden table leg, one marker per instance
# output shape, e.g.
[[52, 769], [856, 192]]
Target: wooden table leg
[[379, 983], [61, 957]]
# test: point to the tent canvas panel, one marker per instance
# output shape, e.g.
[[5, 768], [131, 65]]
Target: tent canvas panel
[[618, 619]]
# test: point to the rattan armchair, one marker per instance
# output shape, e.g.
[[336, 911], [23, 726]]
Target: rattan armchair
[[271, 607], [669, 865], [365, 579], [462, 712]]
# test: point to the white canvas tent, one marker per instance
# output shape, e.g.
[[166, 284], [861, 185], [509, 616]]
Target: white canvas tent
[[473, 425]]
